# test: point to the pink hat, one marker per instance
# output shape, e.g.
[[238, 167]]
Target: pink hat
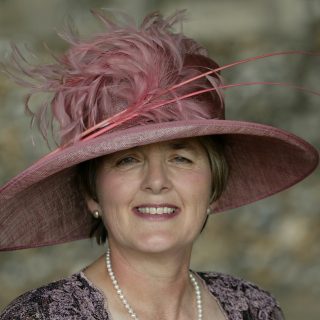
[[128, 87]]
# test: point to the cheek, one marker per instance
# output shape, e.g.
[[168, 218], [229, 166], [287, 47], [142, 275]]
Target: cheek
[[115, 190], [110, 195], [203, 179], [107, 189], [207, 182], [197, 187]]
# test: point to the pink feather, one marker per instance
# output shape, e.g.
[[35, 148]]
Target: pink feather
[[124, 75]]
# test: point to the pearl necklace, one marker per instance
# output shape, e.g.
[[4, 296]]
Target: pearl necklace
[[125, 302]]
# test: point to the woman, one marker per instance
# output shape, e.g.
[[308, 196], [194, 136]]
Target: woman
[[145, 157]]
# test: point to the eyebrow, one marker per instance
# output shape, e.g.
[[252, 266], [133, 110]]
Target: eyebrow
[[178, 145]]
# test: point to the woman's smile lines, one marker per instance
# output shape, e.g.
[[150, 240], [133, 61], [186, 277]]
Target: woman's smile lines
[[156, 209]]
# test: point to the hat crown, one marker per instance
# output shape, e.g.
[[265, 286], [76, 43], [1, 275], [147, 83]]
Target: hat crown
[[126, 76]]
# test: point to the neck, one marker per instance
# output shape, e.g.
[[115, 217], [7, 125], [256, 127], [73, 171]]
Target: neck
[[155, 285], [165, 266]]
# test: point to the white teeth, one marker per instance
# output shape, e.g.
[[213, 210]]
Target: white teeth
[[158, 210]]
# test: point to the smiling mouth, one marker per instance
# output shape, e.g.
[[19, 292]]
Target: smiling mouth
[[156, 210]]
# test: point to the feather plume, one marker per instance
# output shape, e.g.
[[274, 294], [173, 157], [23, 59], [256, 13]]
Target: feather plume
[[115, 75], [124, 75]]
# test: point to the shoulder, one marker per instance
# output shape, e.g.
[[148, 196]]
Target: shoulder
[[242, 299], [71, 297]]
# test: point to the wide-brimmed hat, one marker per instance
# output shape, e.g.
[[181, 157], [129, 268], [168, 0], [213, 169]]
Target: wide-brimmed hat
[[130, 87]]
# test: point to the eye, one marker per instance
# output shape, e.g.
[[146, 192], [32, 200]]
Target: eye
[[181, 159], [126, 161]]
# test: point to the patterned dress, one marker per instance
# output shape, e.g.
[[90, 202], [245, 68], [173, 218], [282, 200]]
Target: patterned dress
[[76, 298]]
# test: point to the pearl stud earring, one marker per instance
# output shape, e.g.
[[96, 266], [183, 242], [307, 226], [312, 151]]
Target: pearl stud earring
[[96, 214]]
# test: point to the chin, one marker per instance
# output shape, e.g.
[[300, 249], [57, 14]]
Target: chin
[[161, 243]]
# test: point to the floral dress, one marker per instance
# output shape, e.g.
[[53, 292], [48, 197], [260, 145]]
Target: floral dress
[[76, 298]]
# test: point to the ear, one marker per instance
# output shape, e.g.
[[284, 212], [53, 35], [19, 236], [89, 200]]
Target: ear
[[92, 204]]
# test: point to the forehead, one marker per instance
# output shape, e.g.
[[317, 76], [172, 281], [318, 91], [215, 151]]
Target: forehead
[[193, 144], [194, 147], [176, 144]]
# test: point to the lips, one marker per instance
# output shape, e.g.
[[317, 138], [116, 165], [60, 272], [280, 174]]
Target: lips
[[156, 210]]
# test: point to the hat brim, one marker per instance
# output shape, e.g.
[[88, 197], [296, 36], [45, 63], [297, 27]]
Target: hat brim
[[43, 206]]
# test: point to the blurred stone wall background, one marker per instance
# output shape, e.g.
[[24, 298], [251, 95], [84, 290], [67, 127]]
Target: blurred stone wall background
[[274, 242]]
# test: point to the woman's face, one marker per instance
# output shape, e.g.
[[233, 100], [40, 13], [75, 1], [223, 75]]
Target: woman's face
[[154, 198]]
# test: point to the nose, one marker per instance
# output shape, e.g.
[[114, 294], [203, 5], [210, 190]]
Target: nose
[[156, 177]]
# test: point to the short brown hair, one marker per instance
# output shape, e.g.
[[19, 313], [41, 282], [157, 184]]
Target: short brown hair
[[214, 146]]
